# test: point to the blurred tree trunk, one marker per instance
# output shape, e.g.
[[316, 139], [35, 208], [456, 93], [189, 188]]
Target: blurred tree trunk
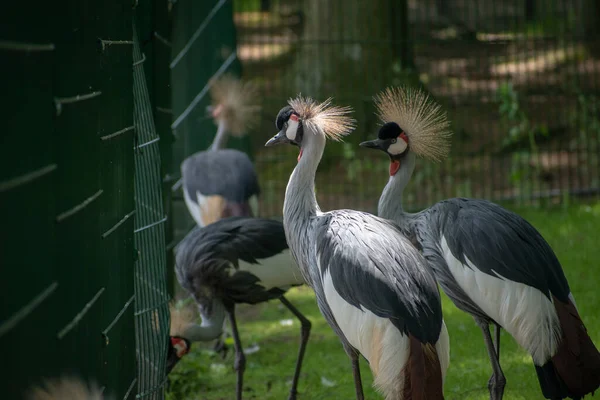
[[351, 50], [402, 46], [404, 69], [590, 20], [265, 5], [529, 10], [344, 48], [443, 8]]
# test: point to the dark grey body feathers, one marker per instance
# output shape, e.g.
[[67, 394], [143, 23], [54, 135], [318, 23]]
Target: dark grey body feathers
[[227, 173], [208, 259], [501, 244], [494, 239]]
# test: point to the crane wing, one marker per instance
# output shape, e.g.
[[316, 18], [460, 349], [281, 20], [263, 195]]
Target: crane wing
[[233, 239], [374, 267], [496, 241]]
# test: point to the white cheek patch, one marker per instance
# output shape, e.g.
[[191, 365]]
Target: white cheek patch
[[397, 148], [292, 129]]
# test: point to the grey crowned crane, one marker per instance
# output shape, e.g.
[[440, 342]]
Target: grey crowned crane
[[65, 388], [372, 286], [218, 182], [235, 260], [491, 262]]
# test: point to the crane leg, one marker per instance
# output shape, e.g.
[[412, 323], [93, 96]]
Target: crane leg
[[353, 354], [305, 326], [497, 332], [220, 347], [240, 359], [497, 380]]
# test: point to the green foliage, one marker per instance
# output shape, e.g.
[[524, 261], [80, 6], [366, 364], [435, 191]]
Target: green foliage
[[551, 25], [404, 75], [355, 166], [515, 117], [520, 130], [326, 373], [588, 115], [586, 120], [252, 5]]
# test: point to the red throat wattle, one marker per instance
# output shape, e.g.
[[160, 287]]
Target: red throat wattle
[[180, 346], [300, 154], [394, 167]]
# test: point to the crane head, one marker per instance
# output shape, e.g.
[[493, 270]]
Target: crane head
[[290, 128], [424, 124], [393, 141], [233, 104], [178, 347], [304, 113]]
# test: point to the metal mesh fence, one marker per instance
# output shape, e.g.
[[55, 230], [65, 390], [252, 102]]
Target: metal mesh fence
[[66, 191], [152, 312], [519, 79]]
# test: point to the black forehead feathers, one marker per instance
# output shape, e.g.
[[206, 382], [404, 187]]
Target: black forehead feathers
[[283, 116], [390, 130]]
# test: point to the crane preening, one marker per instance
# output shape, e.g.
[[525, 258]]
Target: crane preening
[[491, 262], [372, 285], [231, 261]]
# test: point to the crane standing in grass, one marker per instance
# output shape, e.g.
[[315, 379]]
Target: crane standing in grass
[[371, 284], [234, 260], [491, 262], [218, 182]]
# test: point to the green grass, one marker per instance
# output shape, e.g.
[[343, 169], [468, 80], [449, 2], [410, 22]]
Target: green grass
[[572, 232]]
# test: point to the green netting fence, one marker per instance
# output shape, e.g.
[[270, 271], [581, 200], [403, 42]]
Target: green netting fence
[[83, 246]]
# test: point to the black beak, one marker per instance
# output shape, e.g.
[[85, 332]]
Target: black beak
[[280, 138], [171, 362], [172, 359], [374, 144]]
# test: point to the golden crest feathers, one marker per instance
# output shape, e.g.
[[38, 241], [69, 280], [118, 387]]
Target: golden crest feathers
[[333, 121], [181, 316], [65, 388], [421, 118], [238, 102]]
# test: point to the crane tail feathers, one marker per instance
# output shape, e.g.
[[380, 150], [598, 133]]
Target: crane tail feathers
[[574, 370], [423, 373]]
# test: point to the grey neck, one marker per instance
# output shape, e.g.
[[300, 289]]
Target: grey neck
[[210, 329], [221, 137], [390, 202], [300, 202]]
